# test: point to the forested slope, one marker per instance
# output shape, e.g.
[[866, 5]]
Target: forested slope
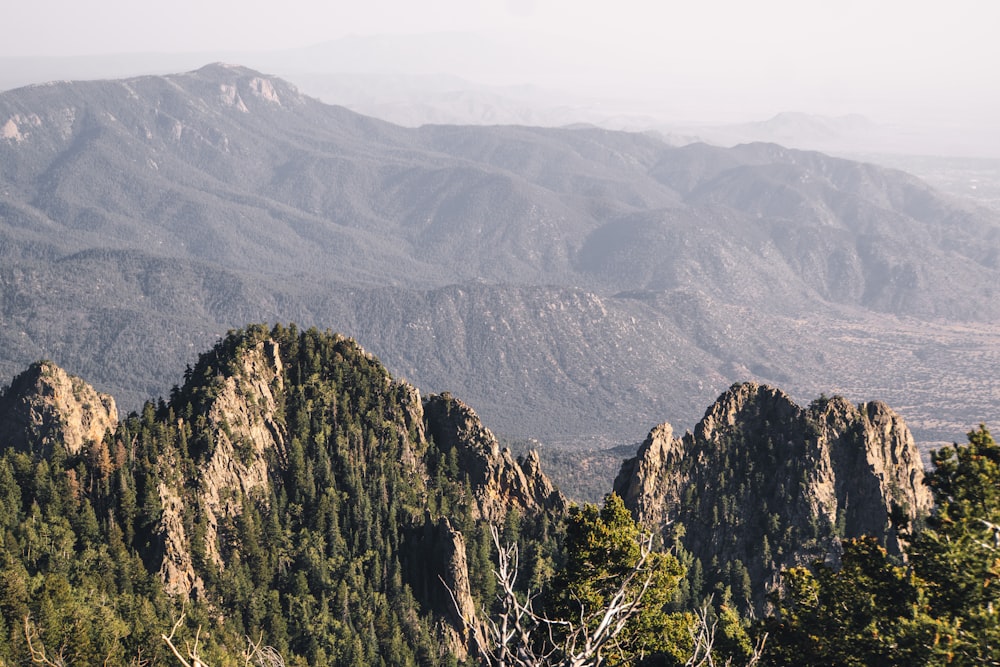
[[605, 279], [291, 491], [287, 489]]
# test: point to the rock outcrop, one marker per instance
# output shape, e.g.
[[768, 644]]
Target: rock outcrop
[[763, 484], [45, 405], [246, 435], [238, 414], [440, 577], [499, 482]]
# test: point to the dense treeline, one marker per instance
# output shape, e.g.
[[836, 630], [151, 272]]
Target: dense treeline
[[337, 559], [328, 565]]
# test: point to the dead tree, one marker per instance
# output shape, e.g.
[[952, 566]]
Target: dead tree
[[521, 637], [37, 649], [38, 653], [255, 654], [702, 632], [518, 636]]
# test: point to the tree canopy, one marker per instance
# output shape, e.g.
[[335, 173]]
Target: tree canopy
[[942, 607]]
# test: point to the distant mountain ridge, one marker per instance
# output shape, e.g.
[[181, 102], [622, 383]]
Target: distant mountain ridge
[[567, 282]]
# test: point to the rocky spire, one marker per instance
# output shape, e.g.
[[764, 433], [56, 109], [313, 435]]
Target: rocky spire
[[763, 484], [45, 405], [499, 482]]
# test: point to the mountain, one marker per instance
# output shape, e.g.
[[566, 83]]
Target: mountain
[[763, 485], [570, 283], [290, 486], [851, 133], [45, 408]]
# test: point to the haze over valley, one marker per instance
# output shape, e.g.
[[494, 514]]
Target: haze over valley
[[582, 221], [334, 328], [576, 285]]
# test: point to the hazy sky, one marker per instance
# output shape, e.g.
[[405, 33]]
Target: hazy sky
[[878, 57]]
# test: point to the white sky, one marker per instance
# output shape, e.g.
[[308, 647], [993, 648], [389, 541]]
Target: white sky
[[827, 56]]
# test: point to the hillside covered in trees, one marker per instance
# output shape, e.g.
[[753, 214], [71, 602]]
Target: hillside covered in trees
[[290, 491], [577, 285]]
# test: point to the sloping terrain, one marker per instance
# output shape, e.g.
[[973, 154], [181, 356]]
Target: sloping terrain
[[572, 284], [290, 486]]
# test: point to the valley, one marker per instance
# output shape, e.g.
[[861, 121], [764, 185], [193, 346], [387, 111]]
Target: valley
[[574, 285]]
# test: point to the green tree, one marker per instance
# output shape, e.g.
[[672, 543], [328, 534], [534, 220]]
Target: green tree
[[958, 553], [604, 552], [868, 610]]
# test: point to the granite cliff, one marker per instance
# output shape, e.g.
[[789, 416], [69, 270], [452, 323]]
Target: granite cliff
[[45, 405], [763, 484]]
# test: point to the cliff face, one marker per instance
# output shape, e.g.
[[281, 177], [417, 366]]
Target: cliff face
[[246, 433], [441, 578], [499, 482], [316, 426], [45, 405], [877, 471], [763, 484]]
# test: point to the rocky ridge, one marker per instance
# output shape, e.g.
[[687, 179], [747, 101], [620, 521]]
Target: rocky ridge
[[499, 482], [45, 405], [763, 484], [247, 436]]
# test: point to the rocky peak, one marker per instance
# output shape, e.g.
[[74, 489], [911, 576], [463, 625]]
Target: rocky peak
[[499, 482], [246, 435], [45, 405], [880, 480], [640, 481], [243, 88], [747, 404], [763, 484]]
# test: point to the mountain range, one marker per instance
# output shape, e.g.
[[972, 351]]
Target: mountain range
[[291, 488], [573, 284]]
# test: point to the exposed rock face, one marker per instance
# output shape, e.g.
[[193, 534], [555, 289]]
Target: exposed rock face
[[877, 468], [498, 481], [177, 568], [441, 578], [45, 405], [245, 433], [763, 484], [244, 429]]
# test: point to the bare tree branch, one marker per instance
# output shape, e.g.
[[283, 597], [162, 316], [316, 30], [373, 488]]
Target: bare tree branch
[[169, 640], [996, 536], [702, 632], [520, 637], [256, 653], [38, 654], [263, 656]]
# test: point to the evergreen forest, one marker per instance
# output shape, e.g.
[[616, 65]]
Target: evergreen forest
[[290, 493]]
